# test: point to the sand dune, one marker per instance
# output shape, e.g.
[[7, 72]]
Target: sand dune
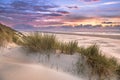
[[19, 71], [16, 65]]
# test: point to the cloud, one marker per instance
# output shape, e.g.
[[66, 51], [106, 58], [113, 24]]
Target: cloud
[[26, 11], [20, 5], [110, 22], [111, 3], [62, 12], [100, 4], [73, 18], [37, 11], [46, 23], [90, 0], [24, 6], [107, 22], [110, 9], [73, 7], [45, 8], [23, 26], [53, 14], [6, 20], [110, 16]]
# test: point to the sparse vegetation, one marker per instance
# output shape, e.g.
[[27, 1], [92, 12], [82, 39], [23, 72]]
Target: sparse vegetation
[[118, 72], [68, 47], [37, 42], [8, 35], [98, 64]]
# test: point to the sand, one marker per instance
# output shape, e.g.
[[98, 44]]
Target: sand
[[109, 46], [20, 71], [15, 64]]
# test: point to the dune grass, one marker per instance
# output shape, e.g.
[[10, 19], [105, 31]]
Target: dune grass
[[68, 47], [118, 72], [4, 38], [37, 42], [8, 35], [98, 64], [92, 57], [5, 35]]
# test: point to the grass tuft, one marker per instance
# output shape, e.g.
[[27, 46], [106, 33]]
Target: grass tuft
[[98, 64], [68, 47], [37, 42], [8, 35]]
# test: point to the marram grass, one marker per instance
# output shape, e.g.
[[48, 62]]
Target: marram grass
[[68, 47], [37, 42], [98, 64], [8, 35], [92, 57]]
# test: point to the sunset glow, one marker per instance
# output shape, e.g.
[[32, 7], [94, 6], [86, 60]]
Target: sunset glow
[[42, 13]]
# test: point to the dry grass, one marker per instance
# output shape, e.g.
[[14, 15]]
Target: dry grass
[[36, 42], [8, 35], [68, 47], [98, 64]]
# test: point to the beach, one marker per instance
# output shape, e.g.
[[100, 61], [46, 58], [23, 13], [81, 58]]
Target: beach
[[15, 64], [109, 45]]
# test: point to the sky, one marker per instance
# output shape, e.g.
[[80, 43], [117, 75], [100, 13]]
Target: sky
[[46, 13]]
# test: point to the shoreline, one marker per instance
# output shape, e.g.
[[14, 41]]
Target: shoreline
[[83, 34]]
